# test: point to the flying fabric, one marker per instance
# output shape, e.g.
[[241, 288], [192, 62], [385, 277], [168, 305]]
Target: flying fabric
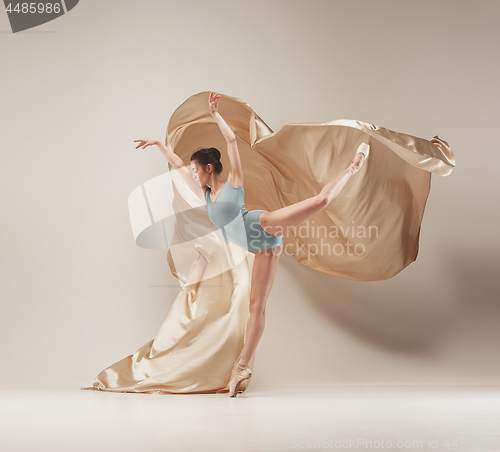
[[369, 232]]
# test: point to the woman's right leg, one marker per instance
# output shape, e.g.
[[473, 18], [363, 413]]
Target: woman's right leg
[[277, 222]]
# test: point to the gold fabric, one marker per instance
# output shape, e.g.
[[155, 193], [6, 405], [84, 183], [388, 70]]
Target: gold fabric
[[197, 345], [202, 335], [388, 194], [369, 232]]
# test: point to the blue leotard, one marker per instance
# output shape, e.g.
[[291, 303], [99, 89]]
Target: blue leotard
[[238, 225]]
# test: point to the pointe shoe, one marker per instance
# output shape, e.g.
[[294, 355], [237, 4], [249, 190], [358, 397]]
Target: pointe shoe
[[357, 163], [242, 374]]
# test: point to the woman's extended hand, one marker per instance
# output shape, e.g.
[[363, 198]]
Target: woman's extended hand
[[165, 149], [213, 102], [145, 142]]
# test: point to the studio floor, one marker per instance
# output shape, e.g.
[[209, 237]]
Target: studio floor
[[266, 418]]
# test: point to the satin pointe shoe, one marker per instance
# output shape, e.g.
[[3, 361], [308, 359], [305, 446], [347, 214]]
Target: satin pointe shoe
[[357, 162], [242, 374]]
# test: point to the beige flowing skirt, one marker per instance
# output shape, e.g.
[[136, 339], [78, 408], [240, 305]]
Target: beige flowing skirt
[[370, 232]]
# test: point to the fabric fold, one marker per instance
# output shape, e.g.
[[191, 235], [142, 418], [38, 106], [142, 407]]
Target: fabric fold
[[369, 232]]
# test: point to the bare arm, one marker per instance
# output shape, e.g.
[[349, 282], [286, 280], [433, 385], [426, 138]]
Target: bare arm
[[235, 176], [166, 150], [173, 159]]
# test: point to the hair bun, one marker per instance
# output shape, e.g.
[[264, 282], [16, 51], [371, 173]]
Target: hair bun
[[206, 156], [215, 152]]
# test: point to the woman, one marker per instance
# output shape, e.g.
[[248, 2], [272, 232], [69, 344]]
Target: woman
[[263, 230], [202, 335]]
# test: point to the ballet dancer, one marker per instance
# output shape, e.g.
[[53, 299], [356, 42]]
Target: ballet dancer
[[264, 229]]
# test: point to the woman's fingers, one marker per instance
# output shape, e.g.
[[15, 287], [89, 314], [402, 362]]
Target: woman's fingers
[[215, 98], [213, 101], [143, 143]]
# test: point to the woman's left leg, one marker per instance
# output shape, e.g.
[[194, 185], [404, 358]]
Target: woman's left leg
[[263, 273]]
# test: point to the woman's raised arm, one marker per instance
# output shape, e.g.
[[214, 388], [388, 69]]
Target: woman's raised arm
[[174, 160], [235, 176], [166, 150]]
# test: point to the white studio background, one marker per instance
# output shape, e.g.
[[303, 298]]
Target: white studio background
[[77, 294]]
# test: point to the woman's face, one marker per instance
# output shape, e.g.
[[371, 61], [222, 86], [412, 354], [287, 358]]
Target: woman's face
[[199, 173]]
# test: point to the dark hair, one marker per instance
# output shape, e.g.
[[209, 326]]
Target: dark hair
[[206, 156]]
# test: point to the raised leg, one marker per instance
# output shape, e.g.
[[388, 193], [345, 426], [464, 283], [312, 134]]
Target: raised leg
[[278, 222]]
